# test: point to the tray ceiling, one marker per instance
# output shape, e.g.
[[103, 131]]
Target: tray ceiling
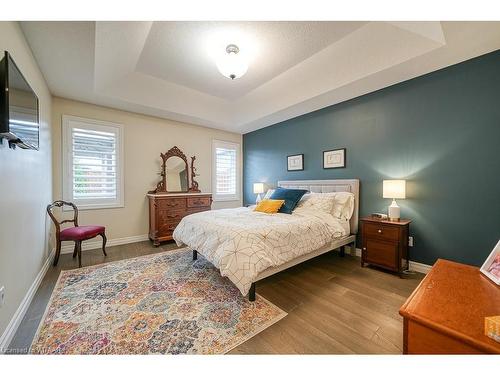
[[167, 69]]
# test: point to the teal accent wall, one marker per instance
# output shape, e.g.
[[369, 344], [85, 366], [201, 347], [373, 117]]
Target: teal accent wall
[[440, 132]]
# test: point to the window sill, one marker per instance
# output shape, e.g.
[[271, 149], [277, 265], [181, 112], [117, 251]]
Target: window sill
[[228, 199], [82, 207]]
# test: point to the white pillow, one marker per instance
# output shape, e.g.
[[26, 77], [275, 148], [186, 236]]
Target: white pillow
[[269, 193], [317, 201], [344, 205]]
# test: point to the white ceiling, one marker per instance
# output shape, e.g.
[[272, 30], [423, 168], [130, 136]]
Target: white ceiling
[[281, 45], [166, 69]]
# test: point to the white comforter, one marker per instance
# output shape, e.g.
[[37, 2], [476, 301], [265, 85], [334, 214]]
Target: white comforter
[[241, 243]]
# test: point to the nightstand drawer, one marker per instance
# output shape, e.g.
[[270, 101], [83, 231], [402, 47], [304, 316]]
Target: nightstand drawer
[[381, 253], [380, 231]]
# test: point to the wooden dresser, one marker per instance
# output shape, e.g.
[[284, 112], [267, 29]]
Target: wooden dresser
[[385, 243], [167, 210], [445, 314]]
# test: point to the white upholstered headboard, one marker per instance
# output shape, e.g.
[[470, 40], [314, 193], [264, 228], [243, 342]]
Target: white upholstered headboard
[[330, 186]]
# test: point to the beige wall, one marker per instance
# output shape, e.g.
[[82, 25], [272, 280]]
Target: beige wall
[[25, 190], [144, 138]]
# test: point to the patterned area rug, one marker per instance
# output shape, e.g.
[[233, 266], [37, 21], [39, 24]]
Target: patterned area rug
[[155, 304]]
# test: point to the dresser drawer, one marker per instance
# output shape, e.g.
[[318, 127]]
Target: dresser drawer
[[166, 229], [196, 210], [381, 253], [171, 216], [198, 202], [380, 231], [171, 203]]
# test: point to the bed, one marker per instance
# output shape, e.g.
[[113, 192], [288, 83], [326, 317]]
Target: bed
[[248, 246]]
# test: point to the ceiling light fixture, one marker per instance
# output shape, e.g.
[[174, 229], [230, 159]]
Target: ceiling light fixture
[[232, 64]]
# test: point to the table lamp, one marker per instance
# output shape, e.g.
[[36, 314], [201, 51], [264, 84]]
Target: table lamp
[[258, 188], [394, 189]]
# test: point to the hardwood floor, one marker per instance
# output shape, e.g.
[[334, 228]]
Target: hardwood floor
[[333, 305]]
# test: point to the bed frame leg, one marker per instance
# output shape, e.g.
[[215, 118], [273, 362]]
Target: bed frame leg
[[251, 293], [342, 251], [195, 255]]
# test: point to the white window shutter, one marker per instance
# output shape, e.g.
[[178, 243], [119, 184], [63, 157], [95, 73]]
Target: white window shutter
[[225, 171], [92, 162]]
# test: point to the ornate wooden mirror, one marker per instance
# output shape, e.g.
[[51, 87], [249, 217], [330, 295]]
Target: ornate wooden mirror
[[176, 169], [174, 173]]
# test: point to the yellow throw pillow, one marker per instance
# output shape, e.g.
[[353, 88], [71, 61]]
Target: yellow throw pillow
[[270, 206]]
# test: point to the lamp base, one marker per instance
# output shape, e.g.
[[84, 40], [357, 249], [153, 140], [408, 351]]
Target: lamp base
[[394, 211], [258, 199]]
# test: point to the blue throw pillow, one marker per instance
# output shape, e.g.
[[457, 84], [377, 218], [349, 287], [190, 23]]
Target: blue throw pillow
[[291, 197]]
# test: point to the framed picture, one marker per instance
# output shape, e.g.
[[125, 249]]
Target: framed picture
[[334, 158], [295, 162], [491, 268]]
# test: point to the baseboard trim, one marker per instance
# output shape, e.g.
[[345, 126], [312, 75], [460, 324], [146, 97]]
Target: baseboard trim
[[90, 245], [414, 266], [357, 253], [419, 267], [16, 320]]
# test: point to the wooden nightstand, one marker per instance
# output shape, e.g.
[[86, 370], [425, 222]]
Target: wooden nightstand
[[385, 243]]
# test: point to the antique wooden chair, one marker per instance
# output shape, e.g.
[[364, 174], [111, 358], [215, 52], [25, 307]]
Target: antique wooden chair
[[75, 233]]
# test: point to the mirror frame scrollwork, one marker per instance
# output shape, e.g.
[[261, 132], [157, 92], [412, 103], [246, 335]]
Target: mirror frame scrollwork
[[194, 184], [162, 187]]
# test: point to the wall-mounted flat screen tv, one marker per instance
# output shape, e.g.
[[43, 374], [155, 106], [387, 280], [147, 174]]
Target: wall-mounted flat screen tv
[[19, 111]]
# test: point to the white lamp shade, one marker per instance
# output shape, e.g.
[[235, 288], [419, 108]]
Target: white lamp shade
[[394, 189], [258, 188], [232, 65]]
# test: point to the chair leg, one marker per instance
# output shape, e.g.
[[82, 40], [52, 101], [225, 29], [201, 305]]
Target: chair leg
[[104, 240], [79, 250], [58, 252], [75, 251]]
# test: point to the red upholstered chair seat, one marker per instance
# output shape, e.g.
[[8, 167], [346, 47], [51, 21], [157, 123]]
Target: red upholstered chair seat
[[81, 233]]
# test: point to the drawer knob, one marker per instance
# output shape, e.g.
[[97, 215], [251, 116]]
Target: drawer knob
[[364, 248], [380, 230]]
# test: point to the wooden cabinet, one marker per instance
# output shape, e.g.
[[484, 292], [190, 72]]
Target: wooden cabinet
[[385, 243], [445, 314], [167, 210]]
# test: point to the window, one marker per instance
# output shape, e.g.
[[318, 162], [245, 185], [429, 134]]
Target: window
[[225, 171], [92, 163]]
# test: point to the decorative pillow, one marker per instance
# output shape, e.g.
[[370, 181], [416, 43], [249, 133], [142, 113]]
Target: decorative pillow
[[269, 206], [318, 201], [290, 196]]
